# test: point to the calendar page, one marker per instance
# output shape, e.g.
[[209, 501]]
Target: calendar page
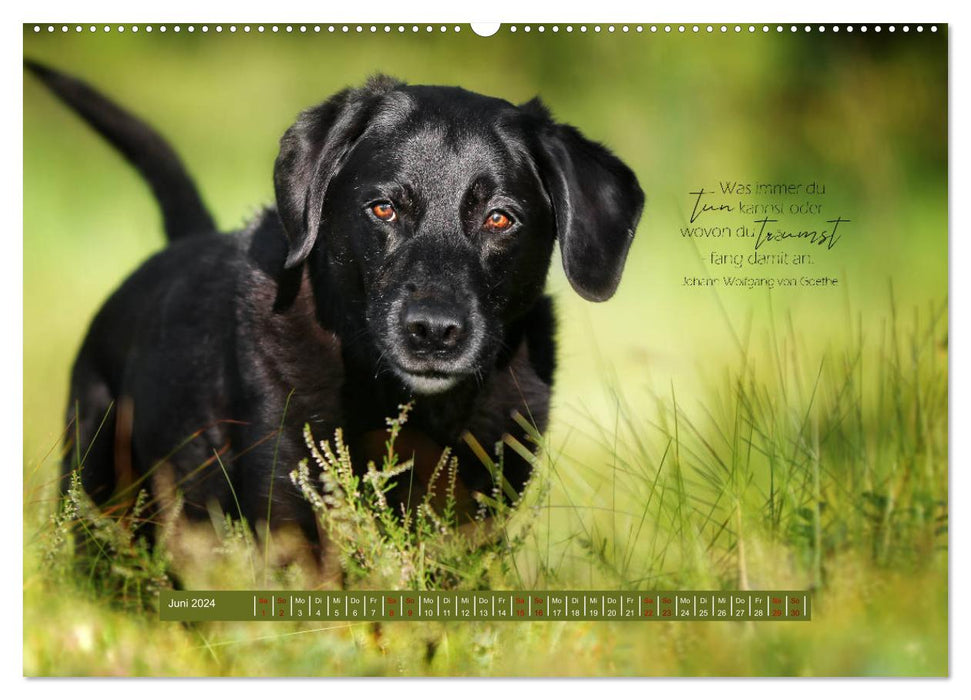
[[485, 350]]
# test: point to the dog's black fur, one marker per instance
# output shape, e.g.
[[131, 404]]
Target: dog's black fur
[[405, 261]]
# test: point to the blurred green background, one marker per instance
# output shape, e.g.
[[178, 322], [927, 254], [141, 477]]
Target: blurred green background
[[866, 114]]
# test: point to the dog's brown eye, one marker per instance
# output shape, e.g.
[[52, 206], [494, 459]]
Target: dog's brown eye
[[384, 211], [497, 221]]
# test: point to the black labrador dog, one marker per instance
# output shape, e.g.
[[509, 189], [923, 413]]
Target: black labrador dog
[[405, 261]]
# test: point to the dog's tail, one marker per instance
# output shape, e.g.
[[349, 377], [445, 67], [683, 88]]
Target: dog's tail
[[183, 211]]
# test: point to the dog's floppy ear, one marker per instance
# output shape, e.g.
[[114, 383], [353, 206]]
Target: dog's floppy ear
[[596, 204], [311, 153]]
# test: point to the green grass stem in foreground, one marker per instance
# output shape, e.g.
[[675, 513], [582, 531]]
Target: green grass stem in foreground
[[823, 470]]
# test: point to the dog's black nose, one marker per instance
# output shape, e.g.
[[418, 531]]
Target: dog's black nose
[[432, 326]]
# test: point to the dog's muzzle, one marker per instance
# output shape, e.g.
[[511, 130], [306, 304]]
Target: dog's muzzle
[[437, 342]]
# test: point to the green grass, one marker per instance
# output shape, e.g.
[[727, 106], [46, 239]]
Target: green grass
[[796, 470]]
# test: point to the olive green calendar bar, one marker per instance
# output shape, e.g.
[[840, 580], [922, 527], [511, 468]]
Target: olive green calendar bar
[[493, 606]]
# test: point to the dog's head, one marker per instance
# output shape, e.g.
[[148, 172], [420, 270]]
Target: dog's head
[[436, 209]]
